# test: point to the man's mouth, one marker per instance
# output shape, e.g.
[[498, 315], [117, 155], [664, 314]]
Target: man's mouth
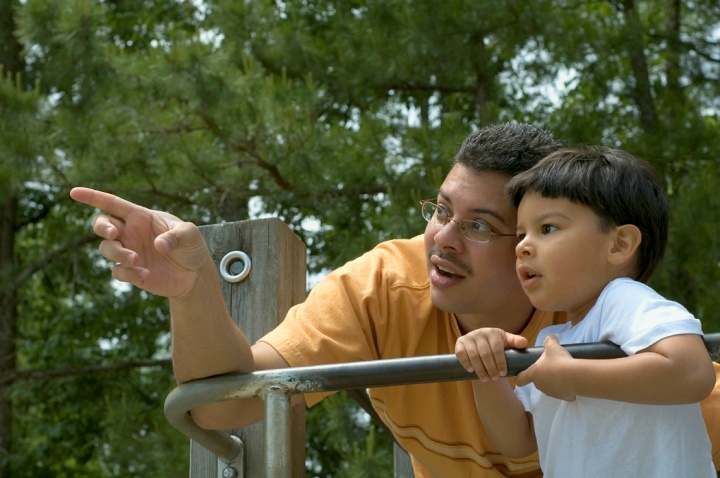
[[449, 266], [446, 272]]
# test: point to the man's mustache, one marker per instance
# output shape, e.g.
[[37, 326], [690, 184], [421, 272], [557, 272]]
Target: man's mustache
[[451, 258]]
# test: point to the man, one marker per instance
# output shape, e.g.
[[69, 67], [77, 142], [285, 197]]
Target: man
[[404, 298]]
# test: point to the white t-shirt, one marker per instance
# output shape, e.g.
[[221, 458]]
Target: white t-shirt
[[605, 438]]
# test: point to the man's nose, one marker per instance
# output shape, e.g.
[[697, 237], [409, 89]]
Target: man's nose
[[450, 235]]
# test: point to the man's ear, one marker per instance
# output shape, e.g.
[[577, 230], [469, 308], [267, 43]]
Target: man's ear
[[627, 239]]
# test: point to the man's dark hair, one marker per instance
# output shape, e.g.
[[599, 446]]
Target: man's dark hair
[[620, 188], [507, 148]]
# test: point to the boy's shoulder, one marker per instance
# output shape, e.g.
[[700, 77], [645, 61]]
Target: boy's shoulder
[[626, 289]]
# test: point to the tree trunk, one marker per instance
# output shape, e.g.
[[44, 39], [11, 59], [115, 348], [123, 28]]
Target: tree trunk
[[485, 71], [12, 63], [8, 324], [672, 62], [643, 94]]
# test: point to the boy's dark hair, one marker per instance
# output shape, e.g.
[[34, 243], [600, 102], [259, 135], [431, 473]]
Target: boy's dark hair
[[506, 148], [620, 188]]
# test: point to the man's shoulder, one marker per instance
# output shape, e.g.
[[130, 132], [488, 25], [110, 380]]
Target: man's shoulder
[[404, 260], [401, 249], [399, 260]]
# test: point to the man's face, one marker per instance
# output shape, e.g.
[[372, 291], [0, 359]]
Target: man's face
[[475, 281]]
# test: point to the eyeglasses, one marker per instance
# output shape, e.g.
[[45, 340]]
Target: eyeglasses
[[471, 230]]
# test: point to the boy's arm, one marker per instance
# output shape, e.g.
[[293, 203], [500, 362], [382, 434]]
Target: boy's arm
[[674, 370], [507, 424], [711, 415]]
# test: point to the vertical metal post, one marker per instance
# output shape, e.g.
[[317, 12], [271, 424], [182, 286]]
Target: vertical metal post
[[277, 433]]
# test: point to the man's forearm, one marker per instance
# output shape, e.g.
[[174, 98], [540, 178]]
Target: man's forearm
[[205, 340]]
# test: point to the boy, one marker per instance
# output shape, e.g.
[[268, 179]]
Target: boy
[[592, 227]]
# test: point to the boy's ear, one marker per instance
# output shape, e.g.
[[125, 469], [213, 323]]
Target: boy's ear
[[627, 240]]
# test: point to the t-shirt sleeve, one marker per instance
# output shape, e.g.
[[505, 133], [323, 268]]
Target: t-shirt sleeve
[[342, 320], [634, 316], [523, 394]]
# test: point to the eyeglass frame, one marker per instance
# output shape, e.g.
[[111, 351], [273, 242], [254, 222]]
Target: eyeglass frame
[[461, 223]]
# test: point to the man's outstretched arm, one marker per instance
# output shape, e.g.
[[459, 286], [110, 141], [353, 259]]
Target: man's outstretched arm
[[166, 256]]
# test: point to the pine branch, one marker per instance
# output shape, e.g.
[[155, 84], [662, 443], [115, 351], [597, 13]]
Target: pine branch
[[41, 263], [31, 375]]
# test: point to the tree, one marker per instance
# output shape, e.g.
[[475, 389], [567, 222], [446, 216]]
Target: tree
[[67, 366], [643, 75], [337, 117]]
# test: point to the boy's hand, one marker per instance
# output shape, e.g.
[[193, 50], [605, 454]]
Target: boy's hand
[[483, 351], [547, 374]]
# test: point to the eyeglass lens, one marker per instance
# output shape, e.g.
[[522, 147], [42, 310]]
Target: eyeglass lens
[[471, 230]]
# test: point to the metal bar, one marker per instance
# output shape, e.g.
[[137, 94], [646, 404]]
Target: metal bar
[[369, 374], [277, 433], [236, 468], [219, 443]]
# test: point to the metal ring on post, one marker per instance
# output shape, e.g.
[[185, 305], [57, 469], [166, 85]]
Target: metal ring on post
[[227, 262]]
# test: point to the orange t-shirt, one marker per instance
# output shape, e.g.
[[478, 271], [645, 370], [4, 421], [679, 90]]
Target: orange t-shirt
[[378, 307]]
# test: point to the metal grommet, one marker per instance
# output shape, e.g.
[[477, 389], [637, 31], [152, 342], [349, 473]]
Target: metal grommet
[[230, 259]]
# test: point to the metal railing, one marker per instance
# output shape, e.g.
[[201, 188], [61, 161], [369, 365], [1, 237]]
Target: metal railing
[[276, 387]]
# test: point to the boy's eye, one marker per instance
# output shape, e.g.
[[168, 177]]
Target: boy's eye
[[548, 228], [521, 236]]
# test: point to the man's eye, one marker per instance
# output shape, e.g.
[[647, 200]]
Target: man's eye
[[479, 226], [441, 212]]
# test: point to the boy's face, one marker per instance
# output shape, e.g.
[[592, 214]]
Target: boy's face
[[562, 257], [476, 281]]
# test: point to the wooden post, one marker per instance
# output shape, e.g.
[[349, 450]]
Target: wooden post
[[257, 304]]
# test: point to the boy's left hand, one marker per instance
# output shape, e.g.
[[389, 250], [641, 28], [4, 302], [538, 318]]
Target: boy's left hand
[[483, 351], [547, 374]]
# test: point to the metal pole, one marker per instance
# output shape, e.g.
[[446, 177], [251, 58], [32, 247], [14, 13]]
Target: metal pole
[[277, 385], [277, 432]]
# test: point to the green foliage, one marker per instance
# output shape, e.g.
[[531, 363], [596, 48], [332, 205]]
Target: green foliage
[[337, 117], [97, 425], [343, 443], [692, 266]]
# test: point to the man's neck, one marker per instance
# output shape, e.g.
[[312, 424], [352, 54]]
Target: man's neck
[[513, 320]]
